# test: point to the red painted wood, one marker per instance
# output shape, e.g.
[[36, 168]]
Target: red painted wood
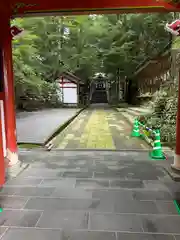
[[1, 96], [9, 100], [4, 8], [43, 6], [178, 123], [2, 161], [15, 31], [65, 82], [67, 87]]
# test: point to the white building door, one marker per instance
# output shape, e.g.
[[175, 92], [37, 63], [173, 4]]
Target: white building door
[[70, 95]]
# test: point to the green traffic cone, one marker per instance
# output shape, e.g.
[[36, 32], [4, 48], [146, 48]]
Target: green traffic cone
[[157, 153], [135, 131]]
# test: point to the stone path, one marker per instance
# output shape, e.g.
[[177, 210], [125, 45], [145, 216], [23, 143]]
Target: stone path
[[99, 129], [85, 195], [38, 126]]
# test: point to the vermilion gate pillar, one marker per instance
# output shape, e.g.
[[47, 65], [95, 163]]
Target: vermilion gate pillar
[[9, 95], [176, 163], [2, 129]]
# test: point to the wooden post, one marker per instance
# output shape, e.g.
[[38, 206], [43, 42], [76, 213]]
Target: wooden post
[[9, 101], [2, 159], [176, 164]]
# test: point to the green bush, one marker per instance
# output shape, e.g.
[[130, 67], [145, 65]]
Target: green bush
[[164, 116], [160, 101], [31, 91], [49, 94], [35, 96]]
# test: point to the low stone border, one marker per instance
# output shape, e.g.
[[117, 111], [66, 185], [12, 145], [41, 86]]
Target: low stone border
[[98, 150], [62, 127], [20, 167], [130, 119]]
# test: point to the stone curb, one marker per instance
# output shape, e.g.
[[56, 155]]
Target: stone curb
[[15, 170], [63, 126], [130, 119]]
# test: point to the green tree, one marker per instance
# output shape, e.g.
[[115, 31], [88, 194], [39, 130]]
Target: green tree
[[83, 45]]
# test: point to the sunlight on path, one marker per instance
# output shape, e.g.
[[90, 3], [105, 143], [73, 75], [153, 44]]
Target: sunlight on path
[[99, 129], [97, 134]]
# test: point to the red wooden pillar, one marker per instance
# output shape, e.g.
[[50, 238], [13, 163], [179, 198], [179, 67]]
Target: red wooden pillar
[[2, 117], [176, 163], [2, 161], [2, 149], [9, 103]]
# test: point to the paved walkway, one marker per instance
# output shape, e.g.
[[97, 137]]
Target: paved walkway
[[99, 128], [85, 195], [91, 195], [38, 126]]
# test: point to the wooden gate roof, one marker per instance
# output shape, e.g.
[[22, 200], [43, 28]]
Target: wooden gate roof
[[39, 7]]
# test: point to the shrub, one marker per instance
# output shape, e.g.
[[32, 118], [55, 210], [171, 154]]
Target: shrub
[[35, 96], [160, 100], [164, 116]]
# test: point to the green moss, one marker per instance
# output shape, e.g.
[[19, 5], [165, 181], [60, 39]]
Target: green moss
[[28, 145], [176, 43]]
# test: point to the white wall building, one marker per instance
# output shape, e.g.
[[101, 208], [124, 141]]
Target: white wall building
[[68, 88]]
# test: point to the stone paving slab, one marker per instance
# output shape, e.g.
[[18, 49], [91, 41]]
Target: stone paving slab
[[89, 235], [99, 129], [144, 236], [19, 218], [29, 234], [65, 220], [46, 234], [161, 224], [130, 199], [38, 126]]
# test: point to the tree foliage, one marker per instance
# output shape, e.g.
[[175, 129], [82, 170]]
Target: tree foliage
[[83, 45]]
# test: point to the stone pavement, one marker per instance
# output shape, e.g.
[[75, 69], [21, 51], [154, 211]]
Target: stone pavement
[[38, 126], [99, 128], [90, 195]]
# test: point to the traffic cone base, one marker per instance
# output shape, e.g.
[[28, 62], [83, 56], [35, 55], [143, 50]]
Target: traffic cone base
[[157, 153], [155, 157], [135, 131]]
